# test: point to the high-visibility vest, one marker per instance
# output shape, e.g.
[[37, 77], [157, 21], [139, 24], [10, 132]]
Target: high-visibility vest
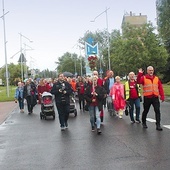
[[150, 87], [127, 90]]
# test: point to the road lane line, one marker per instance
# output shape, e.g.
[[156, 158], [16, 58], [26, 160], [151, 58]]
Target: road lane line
[[150, 120], [153, 121], [166, 126]]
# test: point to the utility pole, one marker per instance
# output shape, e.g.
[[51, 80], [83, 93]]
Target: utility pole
[[5, 51], [108, 43]]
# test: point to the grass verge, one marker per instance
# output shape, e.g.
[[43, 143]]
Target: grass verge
[[3, 93]]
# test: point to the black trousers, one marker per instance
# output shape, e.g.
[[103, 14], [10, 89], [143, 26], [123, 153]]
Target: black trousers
[[63, 112], [154, 101], [81, 101], [29, 104]]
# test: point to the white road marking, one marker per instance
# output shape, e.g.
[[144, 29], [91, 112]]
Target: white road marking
[[166, 126], [150, 120], [153, 121]]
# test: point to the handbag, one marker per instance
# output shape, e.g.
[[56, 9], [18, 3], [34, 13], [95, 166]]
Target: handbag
[[126, 111], [127, 108]]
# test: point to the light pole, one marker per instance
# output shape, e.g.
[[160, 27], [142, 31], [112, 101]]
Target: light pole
[[108, 44], [6, 64], [30, 48], [21, 56]]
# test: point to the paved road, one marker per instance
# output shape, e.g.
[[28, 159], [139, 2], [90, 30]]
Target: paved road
[[28, 143]]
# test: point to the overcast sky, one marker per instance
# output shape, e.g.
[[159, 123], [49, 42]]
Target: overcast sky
[[55, 26]]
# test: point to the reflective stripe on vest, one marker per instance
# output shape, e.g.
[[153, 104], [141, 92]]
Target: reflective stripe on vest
[[150, 88], [127, 90]]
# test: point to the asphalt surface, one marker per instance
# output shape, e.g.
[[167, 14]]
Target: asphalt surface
[[29, 143]]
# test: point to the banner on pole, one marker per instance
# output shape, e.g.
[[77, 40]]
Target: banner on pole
[[90, 50]]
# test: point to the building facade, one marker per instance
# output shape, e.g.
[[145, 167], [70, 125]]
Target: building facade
[[135, 20]]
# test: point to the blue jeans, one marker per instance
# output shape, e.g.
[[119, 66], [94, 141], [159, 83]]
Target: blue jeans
[[21, 103], [135, 102], [94, 114]]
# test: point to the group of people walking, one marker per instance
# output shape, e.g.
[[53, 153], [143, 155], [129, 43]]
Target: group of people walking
[[31, 92], [93, 93]]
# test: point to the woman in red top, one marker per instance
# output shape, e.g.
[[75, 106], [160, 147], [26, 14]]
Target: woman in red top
[[41, 88]]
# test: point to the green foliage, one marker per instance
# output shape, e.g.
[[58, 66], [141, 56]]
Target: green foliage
[[14, 73], [164, 31], [164, 19], [71, 63], [137, 47]]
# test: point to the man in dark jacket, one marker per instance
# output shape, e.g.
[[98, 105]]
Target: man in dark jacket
[[62, 91]]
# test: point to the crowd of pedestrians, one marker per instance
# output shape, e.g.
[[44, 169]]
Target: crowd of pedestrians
[[94, 93]]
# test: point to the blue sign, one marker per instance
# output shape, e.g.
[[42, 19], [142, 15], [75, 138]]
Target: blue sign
[[90, 50], [90, 40]]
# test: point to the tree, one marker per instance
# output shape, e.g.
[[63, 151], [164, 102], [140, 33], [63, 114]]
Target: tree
[[137, 47], [164, 31], [70, 63], [14, 73], [164, 20]]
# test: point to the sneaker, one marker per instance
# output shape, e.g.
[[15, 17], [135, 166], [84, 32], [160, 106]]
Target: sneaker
[[99, 131], [132, 122], [138, 121], [66, 125], [92, 129], [120, 117], [21, 111], [62, 129], [145, 126]]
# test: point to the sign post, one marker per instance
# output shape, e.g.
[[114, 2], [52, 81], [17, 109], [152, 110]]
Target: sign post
[[90, 50]]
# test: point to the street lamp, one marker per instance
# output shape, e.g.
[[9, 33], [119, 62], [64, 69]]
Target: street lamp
[[6, 64], [108, 44], [26, 49], [21, 35]]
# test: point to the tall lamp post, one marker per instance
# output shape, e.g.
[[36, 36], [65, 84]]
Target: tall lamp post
[[26, 49], [108, 44], [21, 35], [6, 64]]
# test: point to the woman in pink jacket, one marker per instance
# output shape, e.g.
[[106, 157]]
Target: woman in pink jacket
[[117, 94]]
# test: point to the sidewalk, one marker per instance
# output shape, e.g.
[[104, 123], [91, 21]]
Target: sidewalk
[[5, 109]]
